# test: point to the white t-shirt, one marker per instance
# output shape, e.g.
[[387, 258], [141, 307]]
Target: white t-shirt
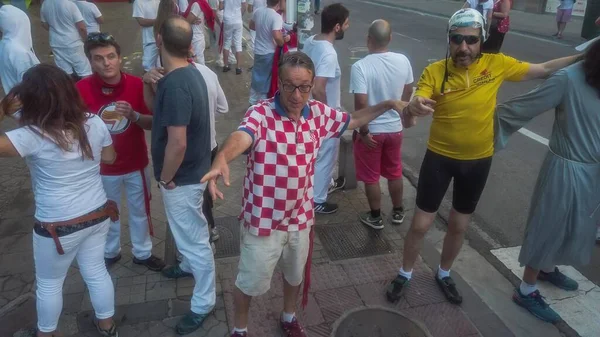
[[382, 76], [484, 8], [61, 16], [197, 28], [217, 102], [324, 56], [64, 185], [146, 9], [266, 20], [257, 4], [232, 11], [90, 13], [183, 5]]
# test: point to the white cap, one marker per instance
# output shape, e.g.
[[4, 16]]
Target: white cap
[[467, 17]]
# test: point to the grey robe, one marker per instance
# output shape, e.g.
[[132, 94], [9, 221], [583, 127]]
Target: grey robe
[[565, 207]]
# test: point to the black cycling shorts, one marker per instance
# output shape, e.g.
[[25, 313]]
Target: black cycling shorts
[[436, 173]]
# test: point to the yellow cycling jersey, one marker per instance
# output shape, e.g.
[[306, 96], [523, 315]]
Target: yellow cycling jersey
[[463, 121]]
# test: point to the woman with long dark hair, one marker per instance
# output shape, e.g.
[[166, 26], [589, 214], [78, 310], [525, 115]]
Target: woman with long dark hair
[[565, 206], [63, 146]]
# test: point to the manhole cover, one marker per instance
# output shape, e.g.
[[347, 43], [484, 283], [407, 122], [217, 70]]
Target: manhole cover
[[348, 241], [377, 322], [229, 231]]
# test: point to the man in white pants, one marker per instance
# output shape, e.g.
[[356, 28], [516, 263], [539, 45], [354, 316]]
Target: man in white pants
[[181, 140], [67, 30], [334, 22], [145, 11], [233, 26], [118, 99]]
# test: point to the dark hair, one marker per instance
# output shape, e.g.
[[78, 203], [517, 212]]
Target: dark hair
[[52, 107], [91, 44], [333, 15], [176, 35], [166, 9], [273, 3], [591, 66], [296, 59]]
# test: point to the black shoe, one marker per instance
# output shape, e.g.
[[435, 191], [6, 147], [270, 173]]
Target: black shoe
[[112, 332], [175, 272], [153, 263], [190, 322], [449, 289], [396, 289], [326, 208], [238, 71], [338, 184], [226, 69], [112, 260]]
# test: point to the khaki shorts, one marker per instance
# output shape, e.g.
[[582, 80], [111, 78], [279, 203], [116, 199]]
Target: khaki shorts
[[260, 254]]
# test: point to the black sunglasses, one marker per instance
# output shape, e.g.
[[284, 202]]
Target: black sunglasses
[[100, 37], [469, 39]]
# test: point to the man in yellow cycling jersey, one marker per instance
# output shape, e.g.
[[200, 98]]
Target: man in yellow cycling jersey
[[461, 142]]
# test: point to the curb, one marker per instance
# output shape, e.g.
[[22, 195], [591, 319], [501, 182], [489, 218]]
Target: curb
[[477, 242]]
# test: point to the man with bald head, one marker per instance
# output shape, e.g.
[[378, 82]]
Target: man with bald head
[[380, 76], [181, 148]]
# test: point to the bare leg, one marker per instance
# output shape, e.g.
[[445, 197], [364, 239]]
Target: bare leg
[[530, 275], [49, 334], [225, 57], [412, 246], [238, 58], [105, 324], [457, 226], [373, 192], [396, 188], [242, 306], [290, 297], [561, 28]]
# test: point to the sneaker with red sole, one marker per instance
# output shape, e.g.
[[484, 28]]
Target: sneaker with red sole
[[292, 329]]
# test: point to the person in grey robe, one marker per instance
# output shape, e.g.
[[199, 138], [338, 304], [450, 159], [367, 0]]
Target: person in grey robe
[[565, 206]]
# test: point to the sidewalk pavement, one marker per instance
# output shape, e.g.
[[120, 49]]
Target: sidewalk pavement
[[532, 24], [352, 264]]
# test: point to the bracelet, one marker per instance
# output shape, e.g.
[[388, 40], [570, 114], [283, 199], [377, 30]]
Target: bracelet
[[137, 117]]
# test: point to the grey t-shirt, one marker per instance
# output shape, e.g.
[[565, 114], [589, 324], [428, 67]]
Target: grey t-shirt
[[182, 100]]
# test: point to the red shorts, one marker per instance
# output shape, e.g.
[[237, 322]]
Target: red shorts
[[384, 160]]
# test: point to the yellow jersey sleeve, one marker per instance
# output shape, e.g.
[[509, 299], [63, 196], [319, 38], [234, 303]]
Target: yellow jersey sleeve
[[514, 70], [426, 84]]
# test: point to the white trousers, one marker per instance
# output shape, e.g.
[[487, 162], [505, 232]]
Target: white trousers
[[232, 36], [199, 45], [87, 246], [183, 206], [150, 57], [328, 154], [251, 42], [138, 220], [72, 59]]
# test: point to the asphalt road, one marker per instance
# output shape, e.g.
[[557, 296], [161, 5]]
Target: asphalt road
[[502, 212]]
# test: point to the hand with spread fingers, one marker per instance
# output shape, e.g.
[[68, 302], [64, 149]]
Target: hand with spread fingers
[[420, 107], [218, 169]]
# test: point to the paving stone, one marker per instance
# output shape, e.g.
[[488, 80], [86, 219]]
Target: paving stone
[[178, 307], [185, 293], [374, 294], [369, 270], [160, 290], [72, 303], [322, 330], [335, 302], [423, 290], [443, 319], [328, 276]]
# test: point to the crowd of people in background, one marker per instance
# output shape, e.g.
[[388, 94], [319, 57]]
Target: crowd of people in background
[[81, 133]]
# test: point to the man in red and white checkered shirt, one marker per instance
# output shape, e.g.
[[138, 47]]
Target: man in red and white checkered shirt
[[282, 136]]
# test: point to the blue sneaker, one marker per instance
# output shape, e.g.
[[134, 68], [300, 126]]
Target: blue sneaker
[[535, 304], [559, 279], [175, 272], [190, 323]]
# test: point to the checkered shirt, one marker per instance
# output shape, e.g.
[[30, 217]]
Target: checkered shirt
[[278, 187]]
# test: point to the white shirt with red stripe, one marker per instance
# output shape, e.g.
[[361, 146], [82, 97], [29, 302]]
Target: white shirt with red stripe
[[278, 187]]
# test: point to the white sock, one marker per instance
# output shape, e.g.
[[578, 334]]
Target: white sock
[[548, 270], [441, 273], [288, 317], [407, 274], [240, 330], [527, 289]]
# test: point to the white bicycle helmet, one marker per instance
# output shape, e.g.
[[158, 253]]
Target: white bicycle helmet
[[467, 17]]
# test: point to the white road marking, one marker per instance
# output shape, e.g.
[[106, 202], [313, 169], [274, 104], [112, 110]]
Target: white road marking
[[534, 136], [580, 309], [438, 16], [408, 37]]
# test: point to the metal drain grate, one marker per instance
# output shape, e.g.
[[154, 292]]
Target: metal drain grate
[[348, 241], [229, 231]]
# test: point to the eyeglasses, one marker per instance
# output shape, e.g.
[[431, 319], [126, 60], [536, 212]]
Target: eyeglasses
[[100, 37], [469, 39], [305, 88]]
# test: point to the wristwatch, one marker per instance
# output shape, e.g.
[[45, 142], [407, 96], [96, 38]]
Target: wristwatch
[[165, 183]]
